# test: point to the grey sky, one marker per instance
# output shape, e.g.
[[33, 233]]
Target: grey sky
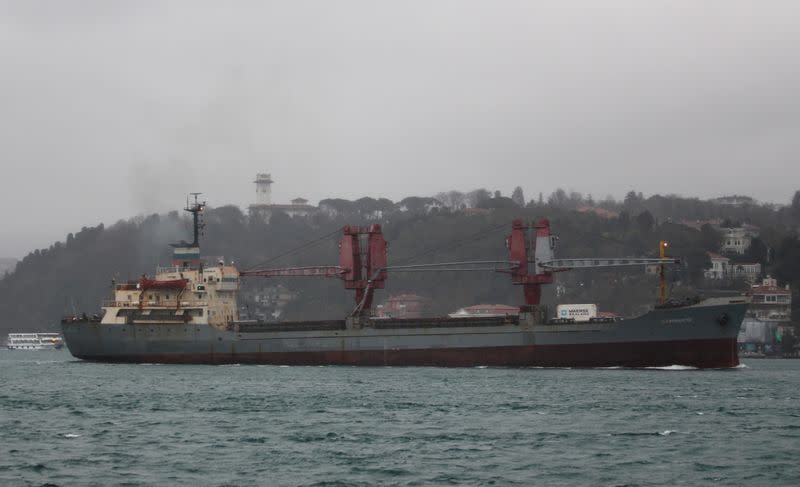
[[109, 109]]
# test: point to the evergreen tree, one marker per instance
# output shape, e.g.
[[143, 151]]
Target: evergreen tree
[[518, 197], [645, 222], [795, 207]]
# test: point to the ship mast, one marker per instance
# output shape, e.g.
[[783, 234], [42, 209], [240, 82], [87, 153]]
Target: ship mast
[[195, 209], [185, 254]]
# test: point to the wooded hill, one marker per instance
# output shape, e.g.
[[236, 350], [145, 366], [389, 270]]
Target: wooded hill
[[75, 275]]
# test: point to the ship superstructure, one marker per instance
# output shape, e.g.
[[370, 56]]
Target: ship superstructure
[[187, 291], [187, 313]]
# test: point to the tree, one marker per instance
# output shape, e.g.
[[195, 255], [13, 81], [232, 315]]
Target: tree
[[710, 238], [337, 206], [787, 261], [418, 205], [452, 199], [518, 197], [645, 221], [624, 220], [477, 196], [795, 207], [633, 200], [757, 252], [558, 198], [575, 200], [498, 203], [371, 208]]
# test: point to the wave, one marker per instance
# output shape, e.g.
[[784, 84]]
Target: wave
[[673, 367], [649, 433]]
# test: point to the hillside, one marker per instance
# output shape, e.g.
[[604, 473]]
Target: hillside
[[75, 275]]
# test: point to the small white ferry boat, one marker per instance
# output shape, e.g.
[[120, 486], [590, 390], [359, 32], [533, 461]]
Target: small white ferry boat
[[34, 341]]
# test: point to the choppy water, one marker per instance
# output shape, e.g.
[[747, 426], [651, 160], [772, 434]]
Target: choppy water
[[66, 422]]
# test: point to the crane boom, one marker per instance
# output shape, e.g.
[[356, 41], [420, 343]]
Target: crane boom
[[311, 271], [558, 265]]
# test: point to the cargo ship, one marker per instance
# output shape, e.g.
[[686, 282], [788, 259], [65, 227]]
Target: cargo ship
[[188, 313]]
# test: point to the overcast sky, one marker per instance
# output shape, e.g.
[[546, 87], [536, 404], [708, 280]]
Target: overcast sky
[[110, 109]]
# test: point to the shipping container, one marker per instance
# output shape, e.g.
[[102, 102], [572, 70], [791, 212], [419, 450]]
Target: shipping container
[[577, 312]]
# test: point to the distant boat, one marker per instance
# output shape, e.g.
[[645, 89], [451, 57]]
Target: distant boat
[[34, 341]]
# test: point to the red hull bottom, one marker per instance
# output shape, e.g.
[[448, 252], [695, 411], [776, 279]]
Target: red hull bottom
[[718, 353]]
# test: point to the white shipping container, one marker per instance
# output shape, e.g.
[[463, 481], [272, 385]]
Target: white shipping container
[[577, 312]]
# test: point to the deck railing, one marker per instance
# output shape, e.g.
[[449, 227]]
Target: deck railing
[[153, 304]]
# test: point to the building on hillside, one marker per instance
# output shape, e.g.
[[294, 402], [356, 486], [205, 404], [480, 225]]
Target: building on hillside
[[719, 266], [723, 269], [263, 208], [734, 200], [737, 240], [485, 311], [420, 205], [331, 208], [402, 306], [750, 272], [298, 207]]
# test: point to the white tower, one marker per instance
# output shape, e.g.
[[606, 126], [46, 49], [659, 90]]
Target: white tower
[[263, 189]]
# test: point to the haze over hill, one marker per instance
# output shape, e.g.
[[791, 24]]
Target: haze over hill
[[114, 109], [7, 264]]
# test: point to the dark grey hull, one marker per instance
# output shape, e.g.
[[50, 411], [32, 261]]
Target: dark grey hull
[[700, 336]]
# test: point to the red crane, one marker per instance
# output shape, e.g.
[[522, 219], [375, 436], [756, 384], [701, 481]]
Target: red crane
[[363, 264], [362, 253]]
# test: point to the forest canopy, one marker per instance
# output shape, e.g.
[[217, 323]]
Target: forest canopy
[[75, 275]]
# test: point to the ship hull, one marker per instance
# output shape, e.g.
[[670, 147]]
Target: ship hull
[[695, 353], [699, 336]]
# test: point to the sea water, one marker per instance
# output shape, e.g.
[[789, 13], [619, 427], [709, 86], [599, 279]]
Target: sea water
[[68, 422]]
